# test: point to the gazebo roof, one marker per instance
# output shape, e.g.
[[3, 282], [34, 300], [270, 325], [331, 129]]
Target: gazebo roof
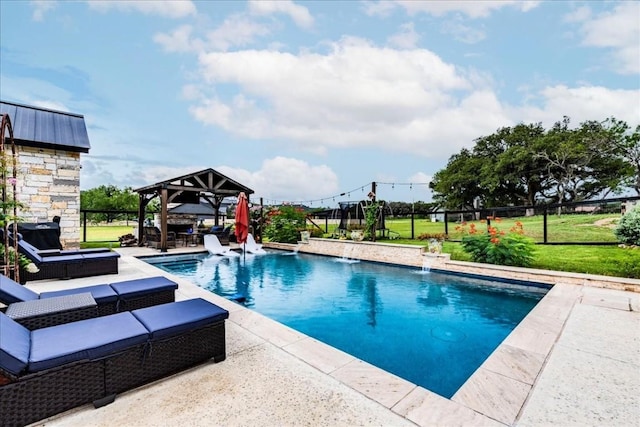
[[189, 188], [207, 184]]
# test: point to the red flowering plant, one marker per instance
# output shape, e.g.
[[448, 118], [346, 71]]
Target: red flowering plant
[[497, 247], [283, 224]]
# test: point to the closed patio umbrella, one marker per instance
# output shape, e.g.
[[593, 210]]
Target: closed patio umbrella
[[242, 219]]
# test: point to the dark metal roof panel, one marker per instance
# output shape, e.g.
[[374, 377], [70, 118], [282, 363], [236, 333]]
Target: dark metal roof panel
[[40, 127]]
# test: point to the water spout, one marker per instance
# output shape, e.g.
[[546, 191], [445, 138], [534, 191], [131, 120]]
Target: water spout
[[348, 254]]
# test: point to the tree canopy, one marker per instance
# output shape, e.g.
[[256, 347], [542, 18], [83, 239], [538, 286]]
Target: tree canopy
[[528, 165], [108, 198]]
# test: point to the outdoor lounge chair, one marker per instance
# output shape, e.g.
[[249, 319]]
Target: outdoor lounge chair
[[51, 370], [252, 247], [59, 264], [152, 237], [108, 299], [213, 245], [222, 234]]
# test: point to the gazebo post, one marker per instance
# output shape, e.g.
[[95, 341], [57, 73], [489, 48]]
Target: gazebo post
[[164, 195], [142, 207]]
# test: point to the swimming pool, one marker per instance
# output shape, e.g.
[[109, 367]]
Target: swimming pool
[[432, 329]]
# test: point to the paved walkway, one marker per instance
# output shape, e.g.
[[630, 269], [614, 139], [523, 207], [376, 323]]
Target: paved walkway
[[572, 361]]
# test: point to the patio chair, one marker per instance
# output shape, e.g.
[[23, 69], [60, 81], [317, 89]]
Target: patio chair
[[48, 371], [224, 235], [69, 264], [213, 245], [109, 299], [252, 247], [152, 237]]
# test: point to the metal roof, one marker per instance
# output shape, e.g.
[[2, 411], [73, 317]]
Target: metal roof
[[43, 128]]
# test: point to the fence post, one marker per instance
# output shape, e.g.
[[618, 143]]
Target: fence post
[[412, 226], [544, 225], [446, 223], [84, 227]]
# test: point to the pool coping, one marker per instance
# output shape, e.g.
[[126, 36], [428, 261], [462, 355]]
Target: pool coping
[[495, 394]]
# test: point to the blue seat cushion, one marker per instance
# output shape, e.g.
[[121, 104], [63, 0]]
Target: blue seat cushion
[[100, 255], [130, 289], [15, 343], [179, 317], [84, 340], [12, 291], [65, 259], [101, 293]]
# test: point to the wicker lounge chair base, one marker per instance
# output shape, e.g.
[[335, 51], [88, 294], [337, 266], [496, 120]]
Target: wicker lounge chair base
[[109, 355], [110, 298]]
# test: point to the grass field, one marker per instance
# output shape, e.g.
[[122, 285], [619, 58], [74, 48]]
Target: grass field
[[607, 260]]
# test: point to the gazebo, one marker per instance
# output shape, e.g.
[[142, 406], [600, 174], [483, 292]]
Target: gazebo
[[207, 184]]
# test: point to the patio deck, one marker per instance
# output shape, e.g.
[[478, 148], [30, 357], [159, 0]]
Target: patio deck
[[574, 360]]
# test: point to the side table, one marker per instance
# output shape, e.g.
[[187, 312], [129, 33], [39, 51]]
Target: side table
[[45, 312]]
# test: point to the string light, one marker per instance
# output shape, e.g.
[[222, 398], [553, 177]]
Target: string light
[[347, 193]]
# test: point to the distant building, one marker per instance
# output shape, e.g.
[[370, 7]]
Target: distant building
[[49, 145]]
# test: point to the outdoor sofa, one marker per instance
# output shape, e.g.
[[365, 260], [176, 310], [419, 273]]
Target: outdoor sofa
[[68, 264], [153, 237], [68, 305], [48, 371]]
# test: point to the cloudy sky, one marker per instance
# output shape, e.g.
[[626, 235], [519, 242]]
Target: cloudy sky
[[302, 101]]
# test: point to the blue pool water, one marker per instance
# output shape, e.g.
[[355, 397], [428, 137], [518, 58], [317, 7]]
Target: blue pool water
[[432, 329]]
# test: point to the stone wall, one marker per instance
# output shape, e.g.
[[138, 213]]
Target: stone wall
[[49, 185]]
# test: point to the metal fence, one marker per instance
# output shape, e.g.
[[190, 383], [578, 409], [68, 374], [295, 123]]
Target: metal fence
[[585, 223]]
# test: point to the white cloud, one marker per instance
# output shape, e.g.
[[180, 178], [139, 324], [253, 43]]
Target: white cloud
[[167, 8], [179, 40], [472, 9], [356, 95], [462, 32], [617, 29], [406, 38], [40, 7], [236, 30], [299, 14], [284, 178], [582, 104]]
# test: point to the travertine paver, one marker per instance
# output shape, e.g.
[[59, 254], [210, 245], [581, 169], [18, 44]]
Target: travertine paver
[[515, 363], [592, 377], [319, 354], [381, 386], [429, 409], [493, 395]]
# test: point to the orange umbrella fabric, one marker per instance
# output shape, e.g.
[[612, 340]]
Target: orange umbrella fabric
[[242, 218]]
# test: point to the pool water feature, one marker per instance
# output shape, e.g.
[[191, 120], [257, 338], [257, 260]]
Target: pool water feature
[[430, 328]]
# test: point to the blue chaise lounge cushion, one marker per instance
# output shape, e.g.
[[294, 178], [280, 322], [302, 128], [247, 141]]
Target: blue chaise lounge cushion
[[130, 289], [15, 341], [102, 294], [12, 291], [178, 317], [84, 340]]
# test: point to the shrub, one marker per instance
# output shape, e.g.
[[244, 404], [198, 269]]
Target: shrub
[[497, 247], [628, 229], [283, 224]]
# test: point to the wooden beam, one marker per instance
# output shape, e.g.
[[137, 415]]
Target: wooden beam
[[163, 219]]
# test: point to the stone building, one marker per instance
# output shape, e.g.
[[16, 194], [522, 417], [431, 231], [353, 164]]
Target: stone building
[[48, 145]]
